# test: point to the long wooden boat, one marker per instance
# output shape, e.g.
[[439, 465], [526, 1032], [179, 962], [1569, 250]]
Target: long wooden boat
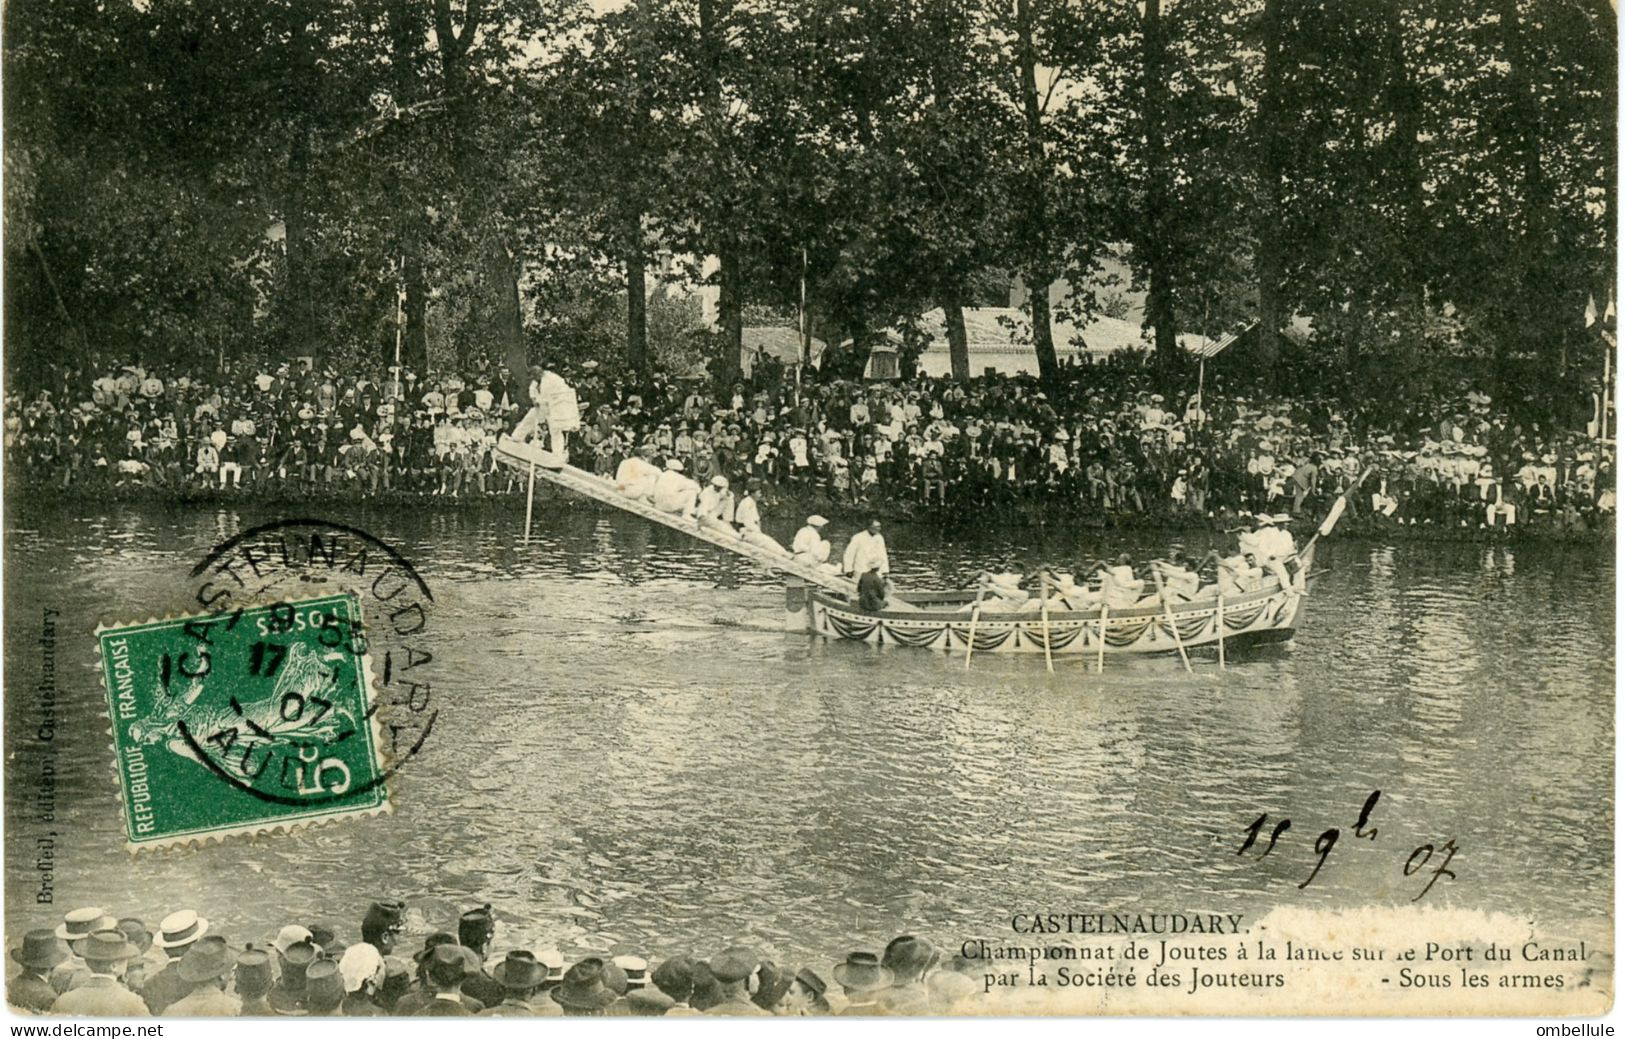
[[826, 604], [951, 620]]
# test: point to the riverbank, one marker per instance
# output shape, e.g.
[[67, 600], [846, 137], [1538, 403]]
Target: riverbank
[[1052, 516]]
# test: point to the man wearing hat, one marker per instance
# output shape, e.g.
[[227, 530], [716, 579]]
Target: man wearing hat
[[1274, 546], [865, 551], [176, 934], [675, 978], [716, 507], [863, 979], [447, 966], [733, 968], [647, 1002], [363, 971], [106, 953], [77, 924], [205, 967], [253, 981], [324, 989], [475, 929], [382, 925], [637, 475], [909, 959], [583, 992], [29, 990], [674, 492], [151, 958], [806, 997], [288, 997], [772, 985], [521, 977], [809, 545]]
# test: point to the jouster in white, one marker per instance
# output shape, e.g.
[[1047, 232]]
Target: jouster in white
[[675, 492], [809, 544], [866, 549], [636, 478]]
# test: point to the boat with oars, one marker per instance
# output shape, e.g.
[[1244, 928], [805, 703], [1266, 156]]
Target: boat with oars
[[978, 619]]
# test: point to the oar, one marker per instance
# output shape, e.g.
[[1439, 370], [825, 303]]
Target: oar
[[1100, 648], [530, 499], [1335, 513], [1168, 611], [975, 613], [1043, 618]]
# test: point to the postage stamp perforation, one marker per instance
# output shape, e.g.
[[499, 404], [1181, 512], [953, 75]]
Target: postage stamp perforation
[[381, 792]]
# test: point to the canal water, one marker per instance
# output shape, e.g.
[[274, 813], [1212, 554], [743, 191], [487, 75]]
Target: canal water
[[633, 754]]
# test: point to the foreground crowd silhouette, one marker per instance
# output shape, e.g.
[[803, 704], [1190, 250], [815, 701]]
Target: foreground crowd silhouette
[[92, 964], [1098, 446]]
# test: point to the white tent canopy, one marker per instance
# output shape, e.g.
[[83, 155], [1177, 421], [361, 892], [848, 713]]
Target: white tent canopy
[[1000, 338]]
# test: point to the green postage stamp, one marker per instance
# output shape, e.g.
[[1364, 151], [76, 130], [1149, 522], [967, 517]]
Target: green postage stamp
[[244, 722]]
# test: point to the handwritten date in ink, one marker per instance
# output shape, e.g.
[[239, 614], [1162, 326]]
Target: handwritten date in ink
[[1424, 857]]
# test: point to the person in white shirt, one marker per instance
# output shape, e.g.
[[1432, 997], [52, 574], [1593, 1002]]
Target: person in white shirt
[[1119, 585], [1272, 546], [1180, 581], [556, 400], [747, 514], [716, 507], [866, 549], [674, 492], [636, 477], [809, 545]]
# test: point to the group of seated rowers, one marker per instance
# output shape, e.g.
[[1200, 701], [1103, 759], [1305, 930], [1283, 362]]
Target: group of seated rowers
[[1262, 552], [671, 490]]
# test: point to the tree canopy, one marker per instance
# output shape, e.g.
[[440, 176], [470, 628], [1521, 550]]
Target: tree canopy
[[1429, 182]]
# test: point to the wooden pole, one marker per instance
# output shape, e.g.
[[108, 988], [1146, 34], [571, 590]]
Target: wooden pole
[[530, 499], [975, 613], [1168, 611], [1220, 622], [1100, 645], [400, 314], [1043, 619]]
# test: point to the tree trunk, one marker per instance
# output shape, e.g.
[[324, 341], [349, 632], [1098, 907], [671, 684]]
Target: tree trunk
[[499, 268], [507, 323], [1269, 261], [958, 342], [1413, 230], [1537, 313], [301, 326], [1034, 201], [637, 321], [1159, 301], [415, 336], [730, 315], [406, 28]]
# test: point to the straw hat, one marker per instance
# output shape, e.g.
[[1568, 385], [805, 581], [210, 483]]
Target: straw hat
[[180, 928]]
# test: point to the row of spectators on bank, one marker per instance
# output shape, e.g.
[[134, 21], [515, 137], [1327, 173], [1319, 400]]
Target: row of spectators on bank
[[1099, 442], [92, 963]]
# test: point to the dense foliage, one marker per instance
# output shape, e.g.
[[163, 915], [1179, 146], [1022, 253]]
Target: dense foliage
[[1429, 182]]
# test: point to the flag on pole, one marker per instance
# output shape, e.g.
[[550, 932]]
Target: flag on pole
[[1591, 310]]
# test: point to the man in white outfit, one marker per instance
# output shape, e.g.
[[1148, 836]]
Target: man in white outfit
[[675, 492], [867, 549], [809, 545], [636, 477], [716, 506]]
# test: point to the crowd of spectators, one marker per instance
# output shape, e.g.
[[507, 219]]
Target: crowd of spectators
[[1099, 444], [91, 963]]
